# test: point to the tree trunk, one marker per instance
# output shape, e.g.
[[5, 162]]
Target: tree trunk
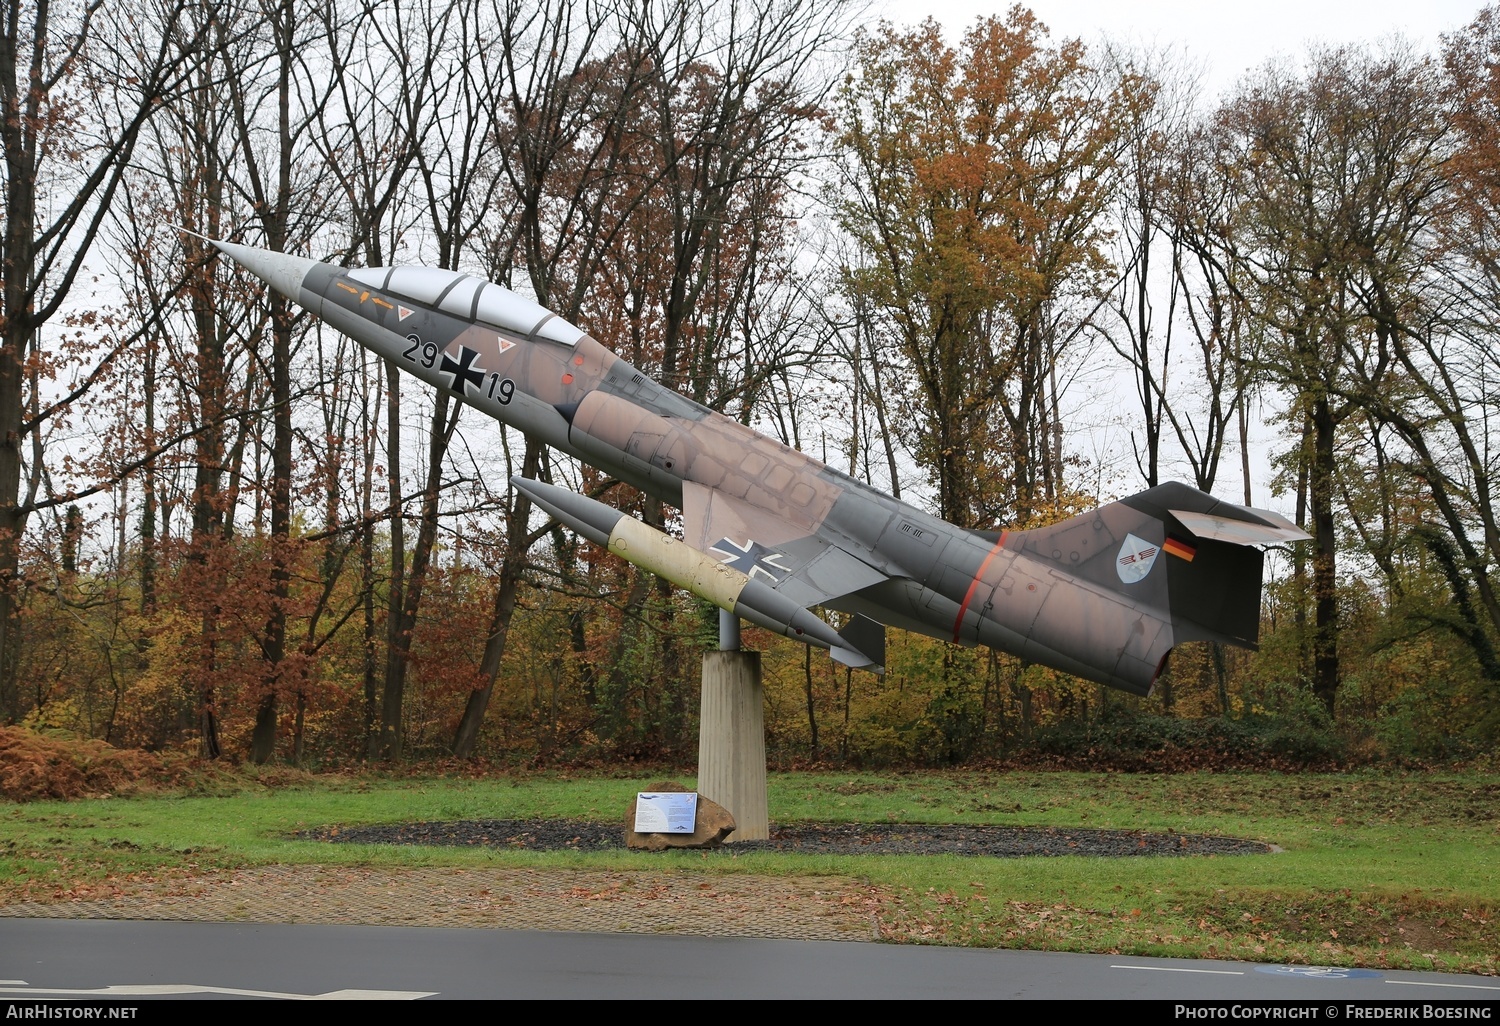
[[263, 738], [389, 744], [516, 538], [812, 715], [442, 427], [1325, 577]]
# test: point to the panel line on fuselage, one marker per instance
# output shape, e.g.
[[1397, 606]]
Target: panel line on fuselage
[[963, 607]]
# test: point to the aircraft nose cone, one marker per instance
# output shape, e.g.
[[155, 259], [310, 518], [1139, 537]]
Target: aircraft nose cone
[[282, 271]]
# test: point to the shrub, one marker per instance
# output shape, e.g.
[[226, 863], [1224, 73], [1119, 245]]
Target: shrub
[[1140, 742], [37, 766]]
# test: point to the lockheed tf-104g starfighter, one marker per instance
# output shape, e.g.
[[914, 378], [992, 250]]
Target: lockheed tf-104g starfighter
[[770, 532]]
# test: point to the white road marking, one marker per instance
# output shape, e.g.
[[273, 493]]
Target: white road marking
[[1174, 969], [154, 989], [1460, 986]]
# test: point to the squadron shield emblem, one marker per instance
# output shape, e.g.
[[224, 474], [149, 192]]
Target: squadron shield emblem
[[1135, 559]]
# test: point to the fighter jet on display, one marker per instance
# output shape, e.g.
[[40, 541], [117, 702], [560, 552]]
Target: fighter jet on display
[[770, 532]]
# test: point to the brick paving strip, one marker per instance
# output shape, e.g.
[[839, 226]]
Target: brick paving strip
[[696, 904]]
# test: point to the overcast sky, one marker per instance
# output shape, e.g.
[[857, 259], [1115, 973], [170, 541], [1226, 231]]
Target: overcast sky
[[1228, 38]]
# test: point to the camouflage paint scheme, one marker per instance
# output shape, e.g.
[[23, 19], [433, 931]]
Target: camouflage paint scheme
[[770, 531]]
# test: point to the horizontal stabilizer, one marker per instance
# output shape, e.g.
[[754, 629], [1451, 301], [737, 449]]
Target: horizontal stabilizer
[[1275, 527]]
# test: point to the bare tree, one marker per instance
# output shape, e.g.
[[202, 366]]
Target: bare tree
[[1336, 173], [618, 127], [77, 83], [273, 94]]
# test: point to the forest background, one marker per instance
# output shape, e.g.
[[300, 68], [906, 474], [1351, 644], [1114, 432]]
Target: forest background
[[947, 267]]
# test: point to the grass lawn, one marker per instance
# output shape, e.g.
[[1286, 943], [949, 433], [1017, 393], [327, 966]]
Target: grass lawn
[[1376, 870]]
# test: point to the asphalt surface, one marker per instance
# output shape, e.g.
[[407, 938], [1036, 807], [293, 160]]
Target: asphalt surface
[[76, 960]]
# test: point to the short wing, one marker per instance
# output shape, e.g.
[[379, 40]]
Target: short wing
[[785, 552]]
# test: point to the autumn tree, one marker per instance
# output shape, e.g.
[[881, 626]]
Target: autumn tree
[[406, 110], [1440, 322], [1336, 170], [395, 117], [555, 106], [975, 180]]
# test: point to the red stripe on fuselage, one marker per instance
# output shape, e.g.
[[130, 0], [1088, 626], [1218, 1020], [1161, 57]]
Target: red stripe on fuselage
[[974, 585]]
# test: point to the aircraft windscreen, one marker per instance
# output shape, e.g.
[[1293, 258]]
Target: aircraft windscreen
[[423, 284]]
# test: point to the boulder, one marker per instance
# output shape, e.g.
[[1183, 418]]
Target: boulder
[[712, 824]]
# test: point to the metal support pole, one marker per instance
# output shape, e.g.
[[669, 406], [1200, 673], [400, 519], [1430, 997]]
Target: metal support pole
[[729, 631]]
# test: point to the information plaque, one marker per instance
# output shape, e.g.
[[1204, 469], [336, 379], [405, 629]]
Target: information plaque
[[665, 812]]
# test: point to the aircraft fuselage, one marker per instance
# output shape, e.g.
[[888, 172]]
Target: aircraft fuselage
[[1065, 597]]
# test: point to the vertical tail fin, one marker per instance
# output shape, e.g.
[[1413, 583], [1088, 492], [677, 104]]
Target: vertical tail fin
[[1174, 555]]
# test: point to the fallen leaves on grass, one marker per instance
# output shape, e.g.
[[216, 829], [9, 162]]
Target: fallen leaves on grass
[[1410, 932]]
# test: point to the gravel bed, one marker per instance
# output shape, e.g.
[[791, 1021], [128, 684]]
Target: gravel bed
[[808, 838]]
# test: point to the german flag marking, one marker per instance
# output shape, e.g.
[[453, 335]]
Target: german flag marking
[[1180, 549]]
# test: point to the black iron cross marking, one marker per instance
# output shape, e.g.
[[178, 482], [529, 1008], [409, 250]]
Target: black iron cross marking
[[750, 559], [463, 370]]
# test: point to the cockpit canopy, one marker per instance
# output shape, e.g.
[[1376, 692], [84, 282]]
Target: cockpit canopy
[[470, 298]]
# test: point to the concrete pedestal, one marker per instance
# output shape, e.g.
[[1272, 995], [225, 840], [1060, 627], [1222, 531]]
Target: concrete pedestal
[[732, 741]]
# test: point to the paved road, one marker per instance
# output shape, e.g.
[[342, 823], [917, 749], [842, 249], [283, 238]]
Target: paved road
[[42, 958]]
